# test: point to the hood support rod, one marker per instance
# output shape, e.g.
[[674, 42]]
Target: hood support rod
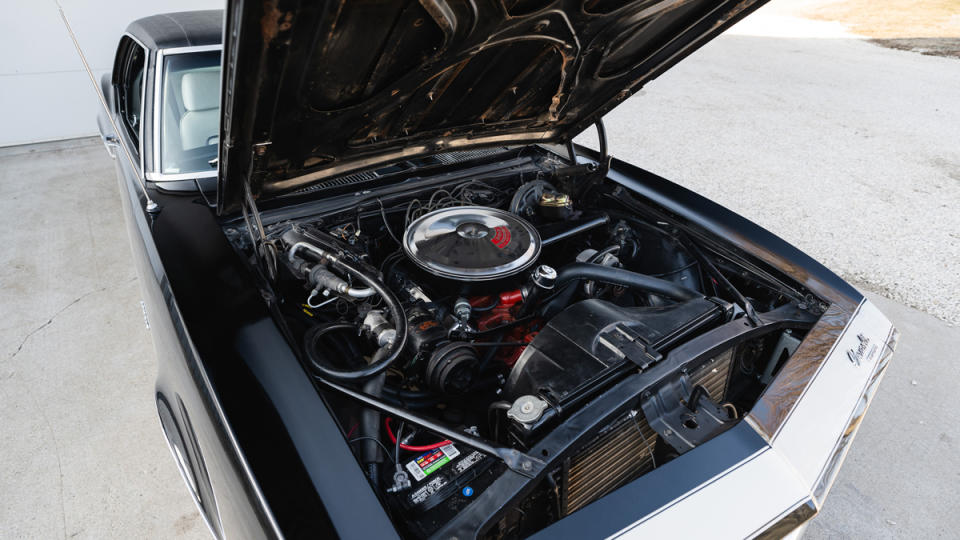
[[514, 459]]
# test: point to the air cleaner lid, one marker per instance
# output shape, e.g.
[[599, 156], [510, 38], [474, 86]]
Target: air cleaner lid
[[472, 243]]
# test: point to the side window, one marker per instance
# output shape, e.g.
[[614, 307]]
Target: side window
[[128, 78], [190, 112]]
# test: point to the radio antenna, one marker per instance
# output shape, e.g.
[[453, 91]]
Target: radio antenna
[[151, 205]]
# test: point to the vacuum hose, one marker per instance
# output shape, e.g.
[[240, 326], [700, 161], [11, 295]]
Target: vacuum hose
[[387, 354]]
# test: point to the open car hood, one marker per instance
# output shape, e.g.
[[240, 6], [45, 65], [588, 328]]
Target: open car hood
[[316, 89]]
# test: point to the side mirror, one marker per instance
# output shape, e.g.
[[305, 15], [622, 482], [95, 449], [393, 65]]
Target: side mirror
[[107, 136], [110, 143]]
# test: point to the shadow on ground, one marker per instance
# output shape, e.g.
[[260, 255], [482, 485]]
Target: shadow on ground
[[949, 47]]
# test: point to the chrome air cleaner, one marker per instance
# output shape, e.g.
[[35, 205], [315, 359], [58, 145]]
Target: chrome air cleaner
[[471, 243]]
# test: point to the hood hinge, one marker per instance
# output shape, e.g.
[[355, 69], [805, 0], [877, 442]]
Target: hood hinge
[[577, 179], [264, 249]]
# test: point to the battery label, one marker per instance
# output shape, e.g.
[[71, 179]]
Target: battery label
[[468, 462], [431, 461], [425, 491]]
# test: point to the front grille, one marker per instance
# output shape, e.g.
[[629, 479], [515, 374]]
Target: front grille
[[623, 451]]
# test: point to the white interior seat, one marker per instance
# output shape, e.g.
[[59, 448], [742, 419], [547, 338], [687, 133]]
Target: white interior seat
[[199, 125]]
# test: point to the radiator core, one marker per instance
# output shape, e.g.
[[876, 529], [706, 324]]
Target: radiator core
[[623, 451]]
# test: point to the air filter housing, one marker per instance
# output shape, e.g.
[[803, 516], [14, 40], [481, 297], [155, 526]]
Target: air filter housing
[[472, 243]]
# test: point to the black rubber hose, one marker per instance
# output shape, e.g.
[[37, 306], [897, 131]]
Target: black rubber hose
[[408, 394], [384, 357], [626, 278], [370, 422]]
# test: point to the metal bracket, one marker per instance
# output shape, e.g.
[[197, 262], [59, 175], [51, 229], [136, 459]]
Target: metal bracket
[[685, 417], [624, 342]]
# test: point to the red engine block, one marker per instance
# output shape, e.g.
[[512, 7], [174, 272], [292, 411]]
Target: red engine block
[[505, 313]]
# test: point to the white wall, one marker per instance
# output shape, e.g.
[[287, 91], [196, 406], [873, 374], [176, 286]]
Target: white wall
[[44, 92]]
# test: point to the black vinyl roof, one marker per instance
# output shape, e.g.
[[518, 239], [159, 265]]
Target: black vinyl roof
[[182, 29]]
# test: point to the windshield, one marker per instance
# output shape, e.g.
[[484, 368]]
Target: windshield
[[190, 112]]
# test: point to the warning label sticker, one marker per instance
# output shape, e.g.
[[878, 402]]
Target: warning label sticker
[[468, 462], [431, 461], [426, 490]]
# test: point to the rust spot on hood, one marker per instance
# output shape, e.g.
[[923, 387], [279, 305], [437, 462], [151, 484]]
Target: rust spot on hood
[[274, 21], [734, 11]]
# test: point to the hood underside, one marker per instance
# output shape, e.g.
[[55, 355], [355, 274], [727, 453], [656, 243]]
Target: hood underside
[[316, 89]]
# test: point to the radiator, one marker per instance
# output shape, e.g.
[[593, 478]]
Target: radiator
[[623, 451]]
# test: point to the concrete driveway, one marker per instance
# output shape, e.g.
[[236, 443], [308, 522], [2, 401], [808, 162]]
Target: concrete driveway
[[82, 453], [844, 148]]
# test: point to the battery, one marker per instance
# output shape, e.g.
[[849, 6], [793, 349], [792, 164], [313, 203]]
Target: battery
[[444, 481]]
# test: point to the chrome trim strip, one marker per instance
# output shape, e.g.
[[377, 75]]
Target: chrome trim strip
[[157, 76], [821, 417], [181, 467], [788, 523], [192, 49], [779, 398], [155, 175], [816, 373], [832, 467], [176, 319], [143, 95]]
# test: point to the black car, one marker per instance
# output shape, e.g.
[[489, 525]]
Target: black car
[[391, 298]]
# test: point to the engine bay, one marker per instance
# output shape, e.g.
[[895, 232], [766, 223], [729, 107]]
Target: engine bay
[[470, 333]]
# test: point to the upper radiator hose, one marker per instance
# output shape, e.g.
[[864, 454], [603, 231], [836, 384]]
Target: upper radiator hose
[[609, 274], [621, 276]]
